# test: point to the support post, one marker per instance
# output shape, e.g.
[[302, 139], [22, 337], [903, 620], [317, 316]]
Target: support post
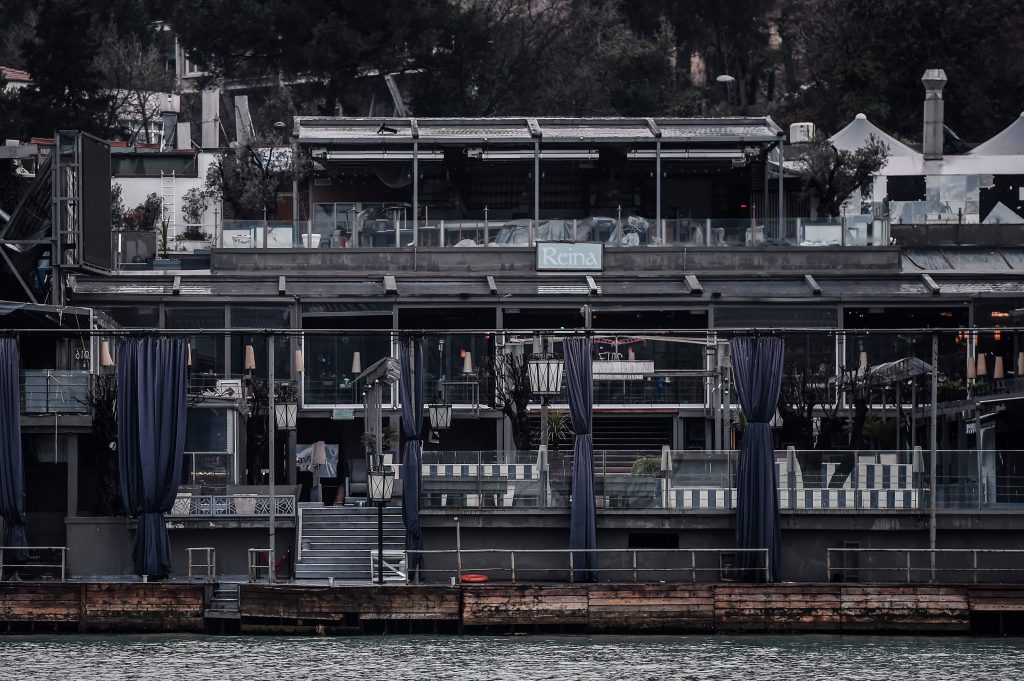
[[536, 189], [932, 466], [271, 428], [295, 194], [657, 184], [415, 194], [782, 200], [380, 544]]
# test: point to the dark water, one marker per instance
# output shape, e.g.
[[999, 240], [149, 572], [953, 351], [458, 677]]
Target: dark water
[[512, 658]]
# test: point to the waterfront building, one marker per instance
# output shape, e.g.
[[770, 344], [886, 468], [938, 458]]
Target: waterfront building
[[663, 238]]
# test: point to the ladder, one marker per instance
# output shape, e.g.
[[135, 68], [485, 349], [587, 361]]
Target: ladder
[[167, 185]]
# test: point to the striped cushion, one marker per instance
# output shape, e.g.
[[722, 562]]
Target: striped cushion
[[703, 497], [823, 498], [887, 498], [512, 471], [884, 476]]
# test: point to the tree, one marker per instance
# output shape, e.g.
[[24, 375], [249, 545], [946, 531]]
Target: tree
[[831, 174], [135, 77], [867, 56], [247, 177], [325, 44], [102, 402], [512, 393]]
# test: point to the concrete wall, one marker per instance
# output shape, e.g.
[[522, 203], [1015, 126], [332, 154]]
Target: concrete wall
[[622, 260], [103, 546], [135, 189]]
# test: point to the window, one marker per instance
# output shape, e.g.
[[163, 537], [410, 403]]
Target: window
[[207, 351], [243, 317]]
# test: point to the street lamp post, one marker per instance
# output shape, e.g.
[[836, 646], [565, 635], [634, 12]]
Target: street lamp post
[[545, 372], [381, 484]]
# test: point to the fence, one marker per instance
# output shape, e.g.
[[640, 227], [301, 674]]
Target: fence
[[32, 566], [52, 391], [916, 565], [233, 505], [660, 565]]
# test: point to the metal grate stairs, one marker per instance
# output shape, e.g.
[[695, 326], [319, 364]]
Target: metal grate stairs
[[337, 541]]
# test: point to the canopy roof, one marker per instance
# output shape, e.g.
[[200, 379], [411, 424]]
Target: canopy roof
[[1009, 142], [859, 131], [398, 132]]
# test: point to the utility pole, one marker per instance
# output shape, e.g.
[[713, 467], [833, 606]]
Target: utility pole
[[933, 491], [271, 426]]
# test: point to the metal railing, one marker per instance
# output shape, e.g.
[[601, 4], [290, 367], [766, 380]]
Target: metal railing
[[844, 564], [259, 560], [21, 566], [636, 572], [209, 562], [231, 505], [53, 391]]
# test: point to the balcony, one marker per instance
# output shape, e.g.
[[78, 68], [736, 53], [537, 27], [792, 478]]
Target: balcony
[[705, 481], [55, 391]]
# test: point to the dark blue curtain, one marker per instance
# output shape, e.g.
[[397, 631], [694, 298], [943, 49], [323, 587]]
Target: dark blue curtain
[[152, 386], [757, 365], [410, 387], [12, 483], [579, 381]]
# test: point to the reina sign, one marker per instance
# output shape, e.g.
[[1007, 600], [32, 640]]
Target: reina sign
[[573, 257]]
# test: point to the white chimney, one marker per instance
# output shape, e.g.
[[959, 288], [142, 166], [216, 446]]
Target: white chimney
[[211, 119], [933, 80]]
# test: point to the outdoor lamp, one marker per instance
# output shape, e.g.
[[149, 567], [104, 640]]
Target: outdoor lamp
[[250, 358], [1020, 364], [440, 416], [999, 372], [285, 415], [863, 360], [971, 372], [467, 363], [188, 353], [545, 372], [298, 362], [357, 362], [105, 359], [381, 485], [982, 365]]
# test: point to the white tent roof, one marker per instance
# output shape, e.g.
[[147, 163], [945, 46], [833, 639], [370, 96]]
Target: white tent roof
[[1000, 213], [860, 129], [1009, 142]]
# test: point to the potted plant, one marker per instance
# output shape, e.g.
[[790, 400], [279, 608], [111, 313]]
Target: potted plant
[[134, 236], [643, 488], [194, 204]]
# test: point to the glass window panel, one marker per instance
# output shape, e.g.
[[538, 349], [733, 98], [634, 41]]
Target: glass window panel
[[133, 316], [332, 364], [207, 350], [266, 317]]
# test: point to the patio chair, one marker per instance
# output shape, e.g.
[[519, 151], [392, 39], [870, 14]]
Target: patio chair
[[356, 482]]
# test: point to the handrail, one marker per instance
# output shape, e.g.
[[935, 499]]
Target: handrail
[[635, 568], [907, 568], [30, 566], [210, 561], [231, 505]]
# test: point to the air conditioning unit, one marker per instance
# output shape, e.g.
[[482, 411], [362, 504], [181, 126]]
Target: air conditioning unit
[[801, 132], [230, 387]]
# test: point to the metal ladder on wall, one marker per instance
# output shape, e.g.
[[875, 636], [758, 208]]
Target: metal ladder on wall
[[167, 185]]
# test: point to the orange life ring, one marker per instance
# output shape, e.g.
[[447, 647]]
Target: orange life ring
[[474, 579]]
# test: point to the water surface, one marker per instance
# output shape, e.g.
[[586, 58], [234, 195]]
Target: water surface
[[513, 657]]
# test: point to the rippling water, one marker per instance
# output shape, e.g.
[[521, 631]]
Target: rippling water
[[517, 657]]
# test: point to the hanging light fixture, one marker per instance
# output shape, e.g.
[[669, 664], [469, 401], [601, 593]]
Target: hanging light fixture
[[357, 362], [971, 369], [630, 355], [467, 363], [982, 365], [440, 416], [250, 358], [188, 353], [298, 362], [107, 361], [545, 372], [998, 372], [863, 360], [1020, 364]]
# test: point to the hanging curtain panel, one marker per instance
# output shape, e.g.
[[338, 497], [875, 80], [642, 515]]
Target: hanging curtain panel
[[410, 388], [12, 481], [757, 365], [152, 382], [579, 381]]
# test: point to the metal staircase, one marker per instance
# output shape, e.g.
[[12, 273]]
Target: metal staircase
[[337, 541]]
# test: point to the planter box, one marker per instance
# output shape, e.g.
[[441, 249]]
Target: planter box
[[133, 247], [190, 245]]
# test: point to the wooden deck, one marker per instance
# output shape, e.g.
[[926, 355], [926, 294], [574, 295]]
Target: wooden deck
[[826, 608]]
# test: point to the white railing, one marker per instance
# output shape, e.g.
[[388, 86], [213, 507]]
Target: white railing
[[24, 569], [231, 505]]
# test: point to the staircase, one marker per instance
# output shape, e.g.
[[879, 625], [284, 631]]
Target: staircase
[[224, 604], [336, 541]]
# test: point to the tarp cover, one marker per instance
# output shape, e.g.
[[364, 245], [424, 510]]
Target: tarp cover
[[152, 384], [410, 387], [12, 483], [757, 365], [579, 380]]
